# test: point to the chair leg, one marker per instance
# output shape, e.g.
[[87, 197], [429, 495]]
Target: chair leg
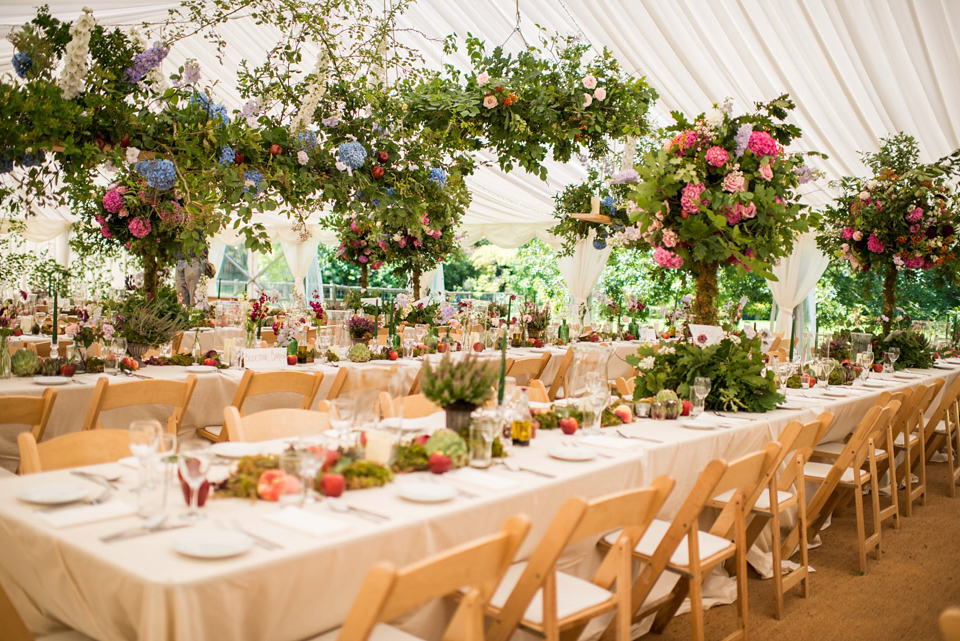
[[908, 476], [696, 607], [804, 553], [923, 468], [952, 482], [876, 537], [777, 563], [861, 534]]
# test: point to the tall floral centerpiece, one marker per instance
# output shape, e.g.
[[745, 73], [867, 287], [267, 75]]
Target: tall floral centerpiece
[[9, 318], [723, 190], [899, 220]]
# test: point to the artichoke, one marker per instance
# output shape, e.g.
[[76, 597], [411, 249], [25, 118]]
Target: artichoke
[[666, 395], [51, 366], [24, 362], [359, 353], [449, 443]]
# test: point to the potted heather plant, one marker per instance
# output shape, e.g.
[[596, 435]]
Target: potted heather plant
[[361, 329], [459, 386]]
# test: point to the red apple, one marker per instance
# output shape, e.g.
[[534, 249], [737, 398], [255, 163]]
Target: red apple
[[422, 439], [478, 347], [687, 408], [878, 368], [538, 343], [18, 332], [393, 355], [291, 359], [275, 150], [332, 457], [569, 425], [440, 463], [274, 482], [442, 347], [125, 141], [594, 338], [68, 370], [332, 485], [624, 413], [378, 172], [238, 157], [383, 157], [210, 361]]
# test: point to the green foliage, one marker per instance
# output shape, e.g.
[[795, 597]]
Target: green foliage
[[411, 458], [448, 443], [466, 380], [152, 320], [734, 365], [915, 349], [360, 475]]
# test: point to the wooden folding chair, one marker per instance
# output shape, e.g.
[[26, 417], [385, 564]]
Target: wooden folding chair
[[387, 592], [128, 393], [525, 369], [363, 385], [845, 476], [28, 410], [560, 380], [942, 431], [910, 439], [415, 385], [950, 624], [625, 386], [537, 391], [14, 628], [271, 424], [537, 597], [414, 406], [680, 547], [43, 348], [72, 450], [253, 384]]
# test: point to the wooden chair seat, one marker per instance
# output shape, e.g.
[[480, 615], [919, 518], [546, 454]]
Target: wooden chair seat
[[708, 545], [574, 595], [819, 471], [28, 410]]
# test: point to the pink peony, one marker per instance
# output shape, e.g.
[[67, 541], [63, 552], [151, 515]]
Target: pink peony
[[489, 101], [717, 156], [589, 81], [669, 238], [762, 144], [690, 197], [734, 182], [600, 93], [139, 227], [112, 201], [847, 233], [106, 232], [858, 235], [363, 258], [874, 244], [766, 172], [914, 262], [915, 216], [667, 259]]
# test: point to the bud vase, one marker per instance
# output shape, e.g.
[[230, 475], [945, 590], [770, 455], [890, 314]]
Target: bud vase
[[6, 368]]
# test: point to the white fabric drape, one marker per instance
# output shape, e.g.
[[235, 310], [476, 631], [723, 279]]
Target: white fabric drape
[[798, 274], [581, 271], [300, 255], [215, 256]]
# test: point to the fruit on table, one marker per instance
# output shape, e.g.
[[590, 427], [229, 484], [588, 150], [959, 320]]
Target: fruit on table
[[332, 484], [449, 443], [291, 359], [273, 483], [393, 355], [569, 425], [478, 347], [687, 408], [210, 362], [624, 413], [442, 347], [68, 370], [440, 463]]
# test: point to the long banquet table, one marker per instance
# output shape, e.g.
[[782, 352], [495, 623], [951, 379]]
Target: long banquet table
[[141, 588]]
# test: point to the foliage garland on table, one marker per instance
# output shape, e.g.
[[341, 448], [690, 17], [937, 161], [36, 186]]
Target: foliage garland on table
[[723, 190], [900, 219], [735, 367]]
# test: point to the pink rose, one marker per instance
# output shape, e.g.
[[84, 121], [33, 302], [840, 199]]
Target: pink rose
[[490, 101], [600, 93], [587, 100], [717, 156], [750, 211], [766, 172], [734, 182], [669, 238], [589, 81], [690, 197], [483, 78]]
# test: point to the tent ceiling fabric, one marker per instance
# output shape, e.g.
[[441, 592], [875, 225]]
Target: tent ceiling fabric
[[858, 70]]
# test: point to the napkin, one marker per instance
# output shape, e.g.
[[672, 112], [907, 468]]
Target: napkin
[[610, 442], [82, 514], [305, 522], [483, 479]]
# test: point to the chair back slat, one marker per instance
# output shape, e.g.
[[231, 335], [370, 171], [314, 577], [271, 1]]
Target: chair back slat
[[525, 369], [560, 380], [28, 410], [272, 424], [949, 397], [253, 384], [72, 450], [107, 396]]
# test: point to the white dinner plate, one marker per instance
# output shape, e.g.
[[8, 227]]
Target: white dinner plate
[[201, 369], [835, 395], [54, 493], [566, 453], [426, 492], [230, 449], [51, 380], [698, 426], [212, 544]]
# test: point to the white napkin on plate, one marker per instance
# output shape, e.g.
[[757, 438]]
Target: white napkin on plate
[[306, 522], [83, 514], [483, 479], [611, 442]]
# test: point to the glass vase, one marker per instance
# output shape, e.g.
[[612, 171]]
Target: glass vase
[[6, 369]]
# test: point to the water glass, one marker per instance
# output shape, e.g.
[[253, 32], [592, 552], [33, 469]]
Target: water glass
[[341, 417], [193, 459], [313, 456], [483, 430], [292, 489], [893, 353], [120, 345], [111, 364], [143, 437], [865, 360]]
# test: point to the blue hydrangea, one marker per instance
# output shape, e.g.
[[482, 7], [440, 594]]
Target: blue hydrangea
[[608, 205], [22, 63], [600, 241], [32, 159], [6, 160], [255, 178], [306, 140], [352, 154], [438, 176], [142, 167], [200, 99], [227, 156], [218, 113], [162, 174], [390, 191]]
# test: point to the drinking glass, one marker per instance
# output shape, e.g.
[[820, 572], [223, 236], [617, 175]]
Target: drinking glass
[[865, 360], [111, 363], [164, 457], [341, 417], [143, 437], [599, 391], [483, 429], [893, 353], [698, 392], [193, 459], [292, 490], [120, 344]]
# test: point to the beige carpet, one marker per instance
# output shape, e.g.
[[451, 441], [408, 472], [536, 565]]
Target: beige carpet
[[899, 597]]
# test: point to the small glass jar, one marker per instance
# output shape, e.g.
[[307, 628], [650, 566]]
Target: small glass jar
[[642, 409], [672, 409], [658, 410]]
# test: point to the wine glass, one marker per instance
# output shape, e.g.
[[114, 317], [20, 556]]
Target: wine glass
[[599, 392], [893, 353], [143, 437], [341, 417], [700, 391], [165, 455], [193, 459], [120, 344], [312, 457], [865, 360]]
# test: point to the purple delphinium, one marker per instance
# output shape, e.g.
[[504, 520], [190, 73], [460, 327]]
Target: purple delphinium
[[742, 138], [146, 61]]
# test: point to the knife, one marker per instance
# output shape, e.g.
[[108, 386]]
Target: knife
[[132, 534]]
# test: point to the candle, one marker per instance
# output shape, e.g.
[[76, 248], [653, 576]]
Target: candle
[[376, 325], [54, 341], [503, 367], [219, 284], [393, 330]]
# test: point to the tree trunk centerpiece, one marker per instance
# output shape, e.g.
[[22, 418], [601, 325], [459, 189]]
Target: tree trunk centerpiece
[[721, 192]]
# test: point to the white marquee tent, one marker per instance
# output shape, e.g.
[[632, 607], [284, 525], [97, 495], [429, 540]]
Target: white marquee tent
[[858, 70]]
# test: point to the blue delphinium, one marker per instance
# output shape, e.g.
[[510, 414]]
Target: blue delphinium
[[227, 156], [352, 154], [438, 176], [608, 205], [6, 160], [253, 181], [22, 63], [306, 140]]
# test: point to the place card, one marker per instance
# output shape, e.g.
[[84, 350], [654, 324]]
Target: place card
[[714, 333], [306, 522], [647, 334], [265, 358]]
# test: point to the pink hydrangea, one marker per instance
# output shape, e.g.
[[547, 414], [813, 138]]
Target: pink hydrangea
[[847, 233], [762, 144], [717, 156], [667, 259], [766, 172], [669, 238], [858, 235], [915, 216], [874, 244], [734, 182], [914, 262], [363, 258], [690, 197], [112, 201], [139, 227], [106, 232], [732, 214]]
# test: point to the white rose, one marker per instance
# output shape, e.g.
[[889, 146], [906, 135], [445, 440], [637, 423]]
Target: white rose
[[714, 118]]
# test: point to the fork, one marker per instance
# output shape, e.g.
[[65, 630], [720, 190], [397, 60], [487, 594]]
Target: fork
[[97, 500], [639, 438]]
